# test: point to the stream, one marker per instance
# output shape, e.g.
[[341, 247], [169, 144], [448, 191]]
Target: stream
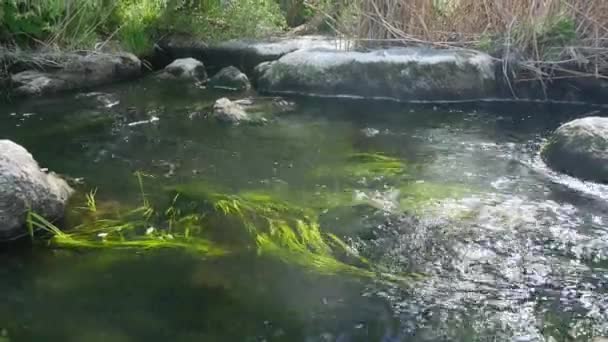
[[503, 248]]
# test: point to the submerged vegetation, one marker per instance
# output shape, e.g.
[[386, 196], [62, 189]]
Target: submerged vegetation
[[211, 223]]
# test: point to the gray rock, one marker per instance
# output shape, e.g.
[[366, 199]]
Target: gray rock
[[403, 74], [230, 112], [72, 71], [252, 110], [244, 54], [24, 186], [230, 78], [266, 105], [580, 148], [185, 69]]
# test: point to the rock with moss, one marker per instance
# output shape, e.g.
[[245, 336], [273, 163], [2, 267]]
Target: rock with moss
[[56, 73], [25, 187], [185, 69], [230, 78], [403, 74], [580, 148]]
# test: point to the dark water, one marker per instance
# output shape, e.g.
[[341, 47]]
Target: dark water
[[510, 250]]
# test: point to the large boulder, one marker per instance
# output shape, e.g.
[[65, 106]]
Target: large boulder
[[185, 69], [73, 71], [580, 148], [244, 54], [24, 187], [404, 74], [230, 78]]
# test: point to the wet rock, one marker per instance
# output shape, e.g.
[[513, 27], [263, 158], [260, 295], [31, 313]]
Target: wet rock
[[256, 110], [72, 71], [273, 105], [580, 148], [230, 78], [244, 54], [401, 74], [185, 69], [24, 186], [230, 112]]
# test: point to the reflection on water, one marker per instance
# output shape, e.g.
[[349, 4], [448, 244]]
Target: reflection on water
[[510, 250]]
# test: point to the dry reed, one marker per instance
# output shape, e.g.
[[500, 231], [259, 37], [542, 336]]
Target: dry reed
[[548, 38]]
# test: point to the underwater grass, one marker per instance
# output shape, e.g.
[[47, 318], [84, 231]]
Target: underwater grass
[[206, 220], [364, 165], [292, 234], [214, 224]]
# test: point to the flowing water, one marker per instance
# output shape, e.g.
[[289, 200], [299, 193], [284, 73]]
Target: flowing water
[[504, 249]]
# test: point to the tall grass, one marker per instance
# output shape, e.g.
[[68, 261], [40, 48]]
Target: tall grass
[[551, 36], [135, 24]]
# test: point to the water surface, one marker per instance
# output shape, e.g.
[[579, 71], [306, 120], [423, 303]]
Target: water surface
[[508, 250]]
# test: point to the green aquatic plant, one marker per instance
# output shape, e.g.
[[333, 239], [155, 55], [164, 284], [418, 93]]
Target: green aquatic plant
[[281, 229], [364, 165], [204, 220], [131, 231], [91, 202]]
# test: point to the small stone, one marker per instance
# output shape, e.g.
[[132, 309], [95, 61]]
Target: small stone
[[185, 68], [227, 111], [230, 78]]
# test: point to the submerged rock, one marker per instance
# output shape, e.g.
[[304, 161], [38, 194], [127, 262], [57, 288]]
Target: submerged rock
[[255, 110], [186, 69], [228, 111], [230, 78], [23, 187], [273, 105], [72, 71], [401, 74], [580, 148]]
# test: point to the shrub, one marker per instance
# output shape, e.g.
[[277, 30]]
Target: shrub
[[79, 24]]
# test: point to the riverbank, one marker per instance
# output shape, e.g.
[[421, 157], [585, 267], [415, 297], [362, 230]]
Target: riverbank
[[298, 65]]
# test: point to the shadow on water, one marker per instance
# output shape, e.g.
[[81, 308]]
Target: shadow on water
[[81, 296]]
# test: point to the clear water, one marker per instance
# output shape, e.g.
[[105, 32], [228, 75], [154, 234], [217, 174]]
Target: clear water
[[520, 255]]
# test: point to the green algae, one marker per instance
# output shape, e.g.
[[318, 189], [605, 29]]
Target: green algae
[[205, 221], [364, 165], [287, 232]]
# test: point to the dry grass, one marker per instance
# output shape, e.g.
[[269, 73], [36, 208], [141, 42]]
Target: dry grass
[[548, 38]]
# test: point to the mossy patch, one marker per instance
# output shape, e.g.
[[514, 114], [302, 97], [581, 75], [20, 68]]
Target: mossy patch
[[359, 166]]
